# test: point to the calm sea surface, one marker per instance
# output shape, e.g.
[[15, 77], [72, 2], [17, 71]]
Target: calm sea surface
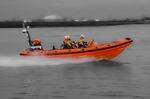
[[125, 77]]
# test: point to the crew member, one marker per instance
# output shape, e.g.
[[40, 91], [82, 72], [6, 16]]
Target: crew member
[[81, 43], [67, 43], [36, 44]]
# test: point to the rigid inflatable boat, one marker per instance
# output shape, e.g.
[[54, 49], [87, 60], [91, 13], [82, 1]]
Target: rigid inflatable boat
[[98, 51]]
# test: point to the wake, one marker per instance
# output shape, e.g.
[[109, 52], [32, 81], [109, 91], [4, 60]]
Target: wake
[[16, 61]]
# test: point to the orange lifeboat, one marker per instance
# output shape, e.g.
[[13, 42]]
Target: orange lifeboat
[[100, 51]]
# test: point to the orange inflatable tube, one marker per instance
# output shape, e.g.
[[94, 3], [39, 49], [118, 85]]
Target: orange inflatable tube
[[104, 51]]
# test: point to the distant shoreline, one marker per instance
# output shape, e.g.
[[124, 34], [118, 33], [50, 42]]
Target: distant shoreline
[[72, 23]]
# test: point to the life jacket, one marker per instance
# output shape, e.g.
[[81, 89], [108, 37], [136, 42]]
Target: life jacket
[[68, 44], [80, 42]]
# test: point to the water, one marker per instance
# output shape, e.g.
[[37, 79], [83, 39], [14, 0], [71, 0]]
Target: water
[[125, 77]]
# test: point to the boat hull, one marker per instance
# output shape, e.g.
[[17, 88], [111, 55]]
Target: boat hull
[[99, 51]]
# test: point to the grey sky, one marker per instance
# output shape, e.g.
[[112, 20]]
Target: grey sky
[[74, 8]]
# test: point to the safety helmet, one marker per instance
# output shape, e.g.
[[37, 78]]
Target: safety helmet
[[36, 42], [65, 37], [68, 37], [81, 36]]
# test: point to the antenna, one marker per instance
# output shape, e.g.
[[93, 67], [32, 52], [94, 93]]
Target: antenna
[[26, 31]]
